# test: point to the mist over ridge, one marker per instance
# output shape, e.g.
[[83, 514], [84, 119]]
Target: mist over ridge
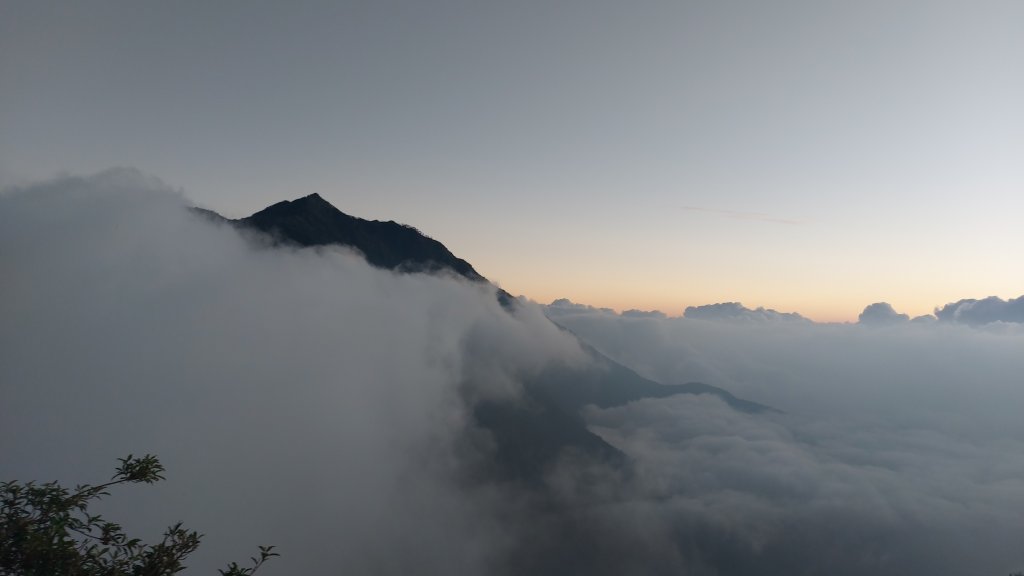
[[341, 397]]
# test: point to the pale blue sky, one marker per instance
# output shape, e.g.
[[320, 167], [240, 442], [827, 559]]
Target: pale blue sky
[[809, 156]]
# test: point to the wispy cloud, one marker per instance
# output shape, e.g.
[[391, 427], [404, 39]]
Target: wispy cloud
[[740, 215]]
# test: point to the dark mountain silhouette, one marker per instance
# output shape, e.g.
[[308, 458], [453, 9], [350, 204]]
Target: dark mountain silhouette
[[312, 221], [606, 383], [528, 435]]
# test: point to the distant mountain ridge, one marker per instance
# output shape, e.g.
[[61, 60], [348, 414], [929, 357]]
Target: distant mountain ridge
[[529, 436]]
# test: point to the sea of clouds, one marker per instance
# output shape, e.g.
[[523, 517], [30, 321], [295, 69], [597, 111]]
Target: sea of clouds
[[301, 398], [899, 448]]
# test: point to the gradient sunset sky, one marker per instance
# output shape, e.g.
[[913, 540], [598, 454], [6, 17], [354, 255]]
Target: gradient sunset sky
[[804, 156]]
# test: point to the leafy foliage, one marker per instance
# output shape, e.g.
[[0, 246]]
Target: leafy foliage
[[46, 529]]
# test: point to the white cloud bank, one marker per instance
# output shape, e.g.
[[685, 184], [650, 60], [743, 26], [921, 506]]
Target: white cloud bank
[[298, 398]]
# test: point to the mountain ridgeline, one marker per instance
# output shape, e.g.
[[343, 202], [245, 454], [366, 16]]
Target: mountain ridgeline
[[530, 435], [312, 221]]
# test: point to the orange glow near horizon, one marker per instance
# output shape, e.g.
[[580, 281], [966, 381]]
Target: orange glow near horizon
[[837, 306]]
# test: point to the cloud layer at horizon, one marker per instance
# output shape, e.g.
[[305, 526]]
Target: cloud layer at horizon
[[900, 449]]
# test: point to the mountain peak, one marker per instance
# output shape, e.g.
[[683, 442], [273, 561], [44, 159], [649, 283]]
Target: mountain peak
[[314, 197], [312, 201], [313, 221]]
